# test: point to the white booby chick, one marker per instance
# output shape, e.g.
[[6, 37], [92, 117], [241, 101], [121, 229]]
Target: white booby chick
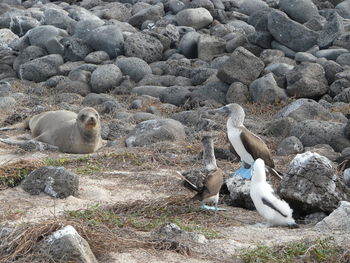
[[247, 145], [276, 211]]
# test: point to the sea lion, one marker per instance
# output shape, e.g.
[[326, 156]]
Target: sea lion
[[70, 132]]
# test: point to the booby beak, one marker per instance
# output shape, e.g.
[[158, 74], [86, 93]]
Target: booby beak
[[222, 110]]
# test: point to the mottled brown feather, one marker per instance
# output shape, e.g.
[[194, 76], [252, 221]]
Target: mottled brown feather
[[212, 185]]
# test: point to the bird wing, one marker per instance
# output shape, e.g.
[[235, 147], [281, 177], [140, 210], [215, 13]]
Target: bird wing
[[250, 140], [271, 205], [272, 200], [213, 183]]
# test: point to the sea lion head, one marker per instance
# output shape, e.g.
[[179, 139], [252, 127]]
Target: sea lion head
[[88, 121]]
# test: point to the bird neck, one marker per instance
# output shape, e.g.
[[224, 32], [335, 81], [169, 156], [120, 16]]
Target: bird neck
[[208, 154]]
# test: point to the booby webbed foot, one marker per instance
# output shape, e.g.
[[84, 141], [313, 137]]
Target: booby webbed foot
[[245, 173], [215, 208]]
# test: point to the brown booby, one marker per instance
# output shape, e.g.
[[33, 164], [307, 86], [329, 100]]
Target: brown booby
[[276, 211], [208, 192], [247, 145]]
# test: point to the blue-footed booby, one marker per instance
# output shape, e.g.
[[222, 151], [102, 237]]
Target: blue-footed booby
[[247, 145], [276, 211], [208, 191]]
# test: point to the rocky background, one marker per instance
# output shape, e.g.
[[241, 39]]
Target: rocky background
[[154, 68]]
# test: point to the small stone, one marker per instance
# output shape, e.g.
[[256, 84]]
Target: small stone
[[266, 90], [97, 57], [136, 68], [290, 145], [210, 46], [290, 33], [107, 38], [194, 17], [299, 10], [237, 93], [105, 78], [242, 66], [153, 131], [143, 46]]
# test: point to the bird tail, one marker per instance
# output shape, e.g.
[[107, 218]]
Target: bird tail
[[188, 183], [275, 172]]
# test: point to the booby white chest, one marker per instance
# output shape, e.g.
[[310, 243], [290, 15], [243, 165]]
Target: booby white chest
[[233, 134]]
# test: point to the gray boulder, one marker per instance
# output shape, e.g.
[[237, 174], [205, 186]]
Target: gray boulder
[[57, 17], [237, 40], [249, 7], [175, 6], [210, 46], [344, 59], [105, 77], [154, 91], [312, 185], [143, 46], [97, 57], [331, 68], [305, 57], [237, 93], [312, 132], [331, 54], [73, 86], [343, 96], [84, 27], [266, 90], [66, 245], [153, 131], [94, 99], [343, 41], [194, 17], [6, 37], [19, 25], [176, 95], [324, 150], [343, 9], [188, 44], [290, 33], [6, 71], [153, 13], [290, 145], [40, 69], [28, 54], [346, 176], [333, 28], [239, 189], [116, 11], [338, 220], [107, 38], [54, 181], [44, 36], [136, 68], [75, 49], [307, 80], [242, 66], [172, 33], [299, 10], [305, 109], [279, 127]]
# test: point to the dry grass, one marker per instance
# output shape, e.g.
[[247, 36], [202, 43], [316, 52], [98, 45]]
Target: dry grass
[[12, 174]]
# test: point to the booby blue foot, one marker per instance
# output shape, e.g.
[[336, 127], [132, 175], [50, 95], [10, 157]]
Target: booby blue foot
[[215, 208], [245, 173]]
